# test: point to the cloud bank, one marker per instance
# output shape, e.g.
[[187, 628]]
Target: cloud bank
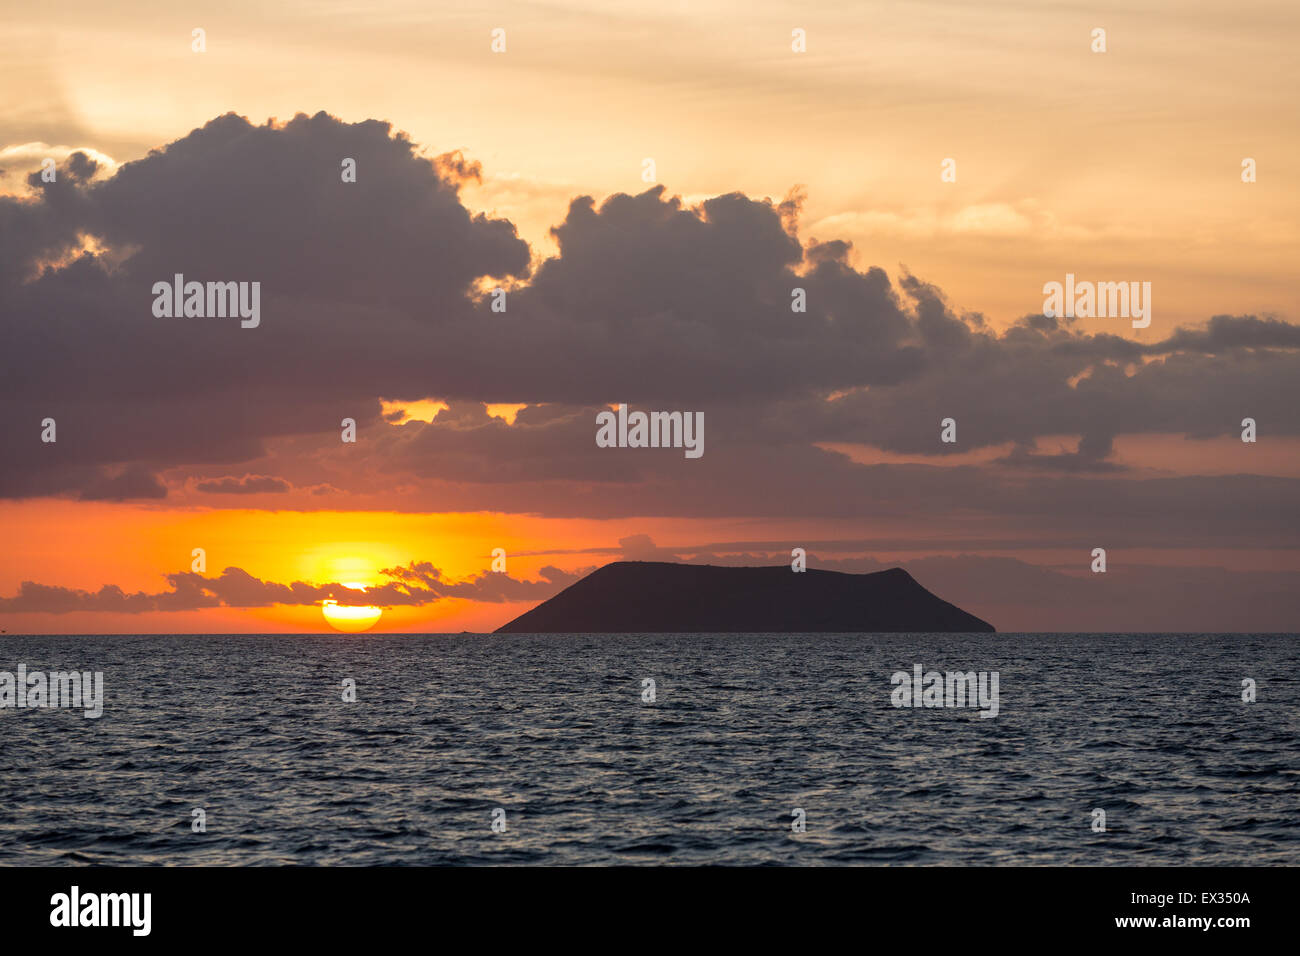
[[376, 290]]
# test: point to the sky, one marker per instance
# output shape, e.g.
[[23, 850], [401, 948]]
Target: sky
[[920, 170]]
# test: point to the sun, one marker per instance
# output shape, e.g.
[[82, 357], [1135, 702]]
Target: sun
[[352, 618]]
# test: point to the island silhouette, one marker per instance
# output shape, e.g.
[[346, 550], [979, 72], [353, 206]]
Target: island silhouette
[[657, 597]]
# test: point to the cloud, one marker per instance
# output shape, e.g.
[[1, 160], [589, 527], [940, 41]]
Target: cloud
[[46, 599], [372, 293], [641, 547], [20, 163], [133, 482], [489, 586], [415, 585], [247, 485]]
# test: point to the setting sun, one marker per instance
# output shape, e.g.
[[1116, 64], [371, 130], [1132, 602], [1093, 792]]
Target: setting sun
[[351, 617]]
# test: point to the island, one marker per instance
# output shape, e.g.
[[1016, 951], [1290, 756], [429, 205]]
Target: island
[[656, 597]]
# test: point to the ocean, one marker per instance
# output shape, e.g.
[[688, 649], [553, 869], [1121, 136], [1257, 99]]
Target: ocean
[[547, 749]]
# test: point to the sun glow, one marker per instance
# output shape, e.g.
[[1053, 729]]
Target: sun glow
[[352, 618]]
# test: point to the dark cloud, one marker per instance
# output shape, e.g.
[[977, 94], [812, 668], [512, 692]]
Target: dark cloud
[[371, 289], [45, 599], [247, 485], [132, 482], [1225, 332], [355, 280], [1090, 456], [490, 586], [417, 584], [641, 547]]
